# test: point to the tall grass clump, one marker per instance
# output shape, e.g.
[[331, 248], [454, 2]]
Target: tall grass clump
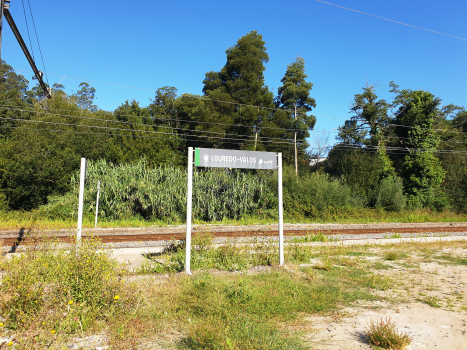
[[137, 190], [383, 334], [62, 288]]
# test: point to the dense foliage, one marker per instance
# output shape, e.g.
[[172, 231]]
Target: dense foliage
[[391, 155]]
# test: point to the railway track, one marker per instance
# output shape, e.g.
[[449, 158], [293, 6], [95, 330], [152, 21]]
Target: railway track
[[147, 237]]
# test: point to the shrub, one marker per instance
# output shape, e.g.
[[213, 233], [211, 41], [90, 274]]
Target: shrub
[[316, 194], [383, 333], [389, 194], [65, 287]]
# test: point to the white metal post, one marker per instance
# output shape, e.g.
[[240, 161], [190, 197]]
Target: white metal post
[[281, 213], [188, 211], [97, 201], [82, 175]]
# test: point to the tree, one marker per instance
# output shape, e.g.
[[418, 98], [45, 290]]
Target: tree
[[85, 97], [241, 81], [13, 92], [370, 126], [295, 94], [422, 171]]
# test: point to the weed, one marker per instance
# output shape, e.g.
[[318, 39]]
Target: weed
[[319, 237], [383, 334], [380, 266], [432, 301], [67, 289], [394, 255]]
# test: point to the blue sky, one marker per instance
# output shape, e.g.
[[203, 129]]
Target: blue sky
[[150, 44]]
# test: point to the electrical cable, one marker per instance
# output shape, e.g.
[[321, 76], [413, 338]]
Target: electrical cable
[[178, 120], [127, 135], [38, 44], [390, 20], [184, 94], [27, 27], [139, 124], [142, 131]]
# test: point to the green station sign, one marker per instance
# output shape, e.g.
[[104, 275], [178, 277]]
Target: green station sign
[[223, 158]]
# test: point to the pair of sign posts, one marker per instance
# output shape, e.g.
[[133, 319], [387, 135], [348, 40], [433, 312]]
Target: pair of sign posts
[[221, 158]]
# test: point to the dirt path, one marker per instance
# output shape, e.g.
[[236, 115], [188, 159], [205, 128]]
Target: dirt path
[[428, 327], [434, 313]]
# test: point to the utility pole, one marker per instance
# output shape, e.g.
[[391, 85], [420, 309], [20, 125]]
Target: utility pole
[[295, 143], [5, 11], [1, 23]]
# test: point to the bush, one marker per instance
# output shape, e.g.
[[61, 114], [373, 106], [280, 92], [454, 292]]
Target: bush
[[314, 195], [67, 288], [389, 194]]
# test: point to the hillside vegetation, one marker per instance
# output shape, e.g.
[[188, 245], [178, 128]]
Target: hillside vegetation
[[399, 156]]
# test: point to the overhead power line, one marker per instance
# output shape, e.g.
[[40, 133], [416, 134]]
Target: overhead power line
[[141, 131], [38, 44], [138, 124], [132, 136], [391, 20], [184, 94], [172, 119], [27, 27]]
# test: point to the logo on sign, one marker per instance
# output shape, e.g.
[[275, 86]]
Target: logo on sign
[[206, 158]]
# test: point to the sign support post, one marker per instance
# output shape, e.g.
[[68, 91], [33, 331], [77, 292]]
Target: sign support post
[[281, 211], [188, 211], [222, 158], [82, 176]]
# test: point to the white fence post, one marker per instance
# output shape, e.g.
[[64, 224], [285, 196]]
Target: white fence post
[[82, 176], [97, 201], [188, 211], [281, 213]]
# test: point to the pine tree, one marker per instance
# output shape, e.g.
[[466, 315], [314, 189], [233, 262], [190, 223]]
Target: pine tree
[[294, 94]]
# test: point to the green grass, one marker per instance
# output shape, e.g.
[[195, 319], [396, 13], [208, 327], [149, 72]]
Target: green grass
[[432, 301], [213, 309], [453, 259], [13, 220]]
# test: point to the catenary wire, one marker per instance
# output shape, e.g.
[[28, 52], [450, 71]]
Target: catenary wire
[[142, 131], [27, 27], [132, 123], [266, 139], [184, 94], [9, 107], [38, 44], [390, 20], [176, 120], [134, 136]]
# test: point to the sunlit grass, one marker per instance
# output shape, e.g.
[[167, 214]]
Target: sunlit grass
[[14, 220]]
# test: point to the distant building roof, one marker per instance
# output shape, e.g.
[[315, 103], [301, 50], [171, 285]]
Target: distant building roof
[[316, 161]]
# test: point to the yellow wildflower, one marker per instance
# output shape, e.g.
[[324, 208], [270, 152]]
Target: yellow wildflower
[[116, 297], [70, 302]]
